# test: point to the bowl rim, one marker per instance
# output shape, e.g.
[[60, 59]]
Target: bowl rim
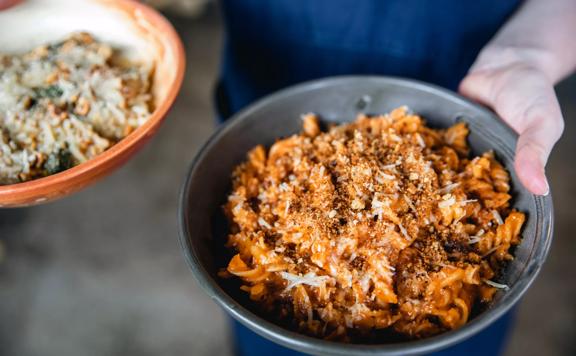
[[304, 343], [24, 193]]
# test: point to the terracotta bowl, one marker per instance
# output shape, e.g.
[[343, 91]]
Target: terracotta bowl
[[141, 33]]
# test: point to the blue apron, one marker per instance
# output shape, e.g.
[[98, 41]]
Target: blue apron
[[273, 44]]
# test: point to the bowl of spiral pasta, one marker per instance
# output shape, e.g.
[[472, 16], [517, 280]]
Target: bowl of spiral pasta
[[83, 85], [363, 215]]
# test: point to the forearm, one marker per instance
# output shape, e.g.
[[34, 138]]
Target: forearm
[[541, 34]]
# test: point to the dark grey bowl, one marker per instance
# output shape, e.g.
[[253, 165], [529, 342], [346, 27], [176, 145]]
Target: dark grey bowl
[[203, 227]]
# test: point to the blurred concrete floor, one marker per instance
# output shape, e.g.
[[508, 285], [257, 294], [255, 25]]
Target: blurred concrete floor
[[100, 273]]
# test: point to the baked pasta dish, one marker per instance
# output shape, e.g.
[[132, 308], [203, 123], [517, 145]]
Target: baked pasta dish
[[64, 103], [381, 226]]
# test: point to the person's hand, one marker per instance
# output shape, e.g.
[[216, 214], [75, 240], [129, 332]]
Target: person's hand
[[4, 4], [510, 82]]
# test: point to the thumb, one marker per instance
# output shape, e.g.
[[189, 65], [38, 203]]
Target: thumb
[[535, 144], [525, 99], [529, 163]]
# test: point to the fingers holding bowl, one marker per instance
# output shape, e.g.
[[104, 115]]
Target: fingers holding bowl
[[525, 99]]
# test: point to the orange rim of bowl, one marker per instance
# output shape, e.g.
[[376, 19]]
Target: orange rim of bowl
[[75, 178]]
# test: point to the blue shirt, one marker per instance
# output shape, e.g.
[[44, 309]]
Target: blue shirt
[[271, 44]]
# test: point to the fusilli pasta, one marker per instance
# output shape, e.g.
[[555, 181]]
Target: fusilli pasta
[[380, 224]]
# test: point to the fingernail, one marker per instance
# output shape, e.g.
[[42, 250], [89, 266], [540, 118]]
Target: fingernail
[[540, 184], [547, 188]]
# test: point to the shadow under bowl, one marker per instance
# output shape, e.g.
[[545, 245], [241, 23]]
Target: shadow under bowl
[[203, 227]]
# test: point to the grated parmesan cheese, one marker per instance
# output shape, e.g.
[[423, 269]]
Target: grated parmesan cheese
[[309, 278], [390, 166], [420, 140], [379, 204], [395, 138], [237, 208], [357, 204], [496, 285], [409, 202], [474, 239], [497, 217], [403, 231], [264, 223], [448, 188], [464, 202], [447, 203], [490, 251]]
